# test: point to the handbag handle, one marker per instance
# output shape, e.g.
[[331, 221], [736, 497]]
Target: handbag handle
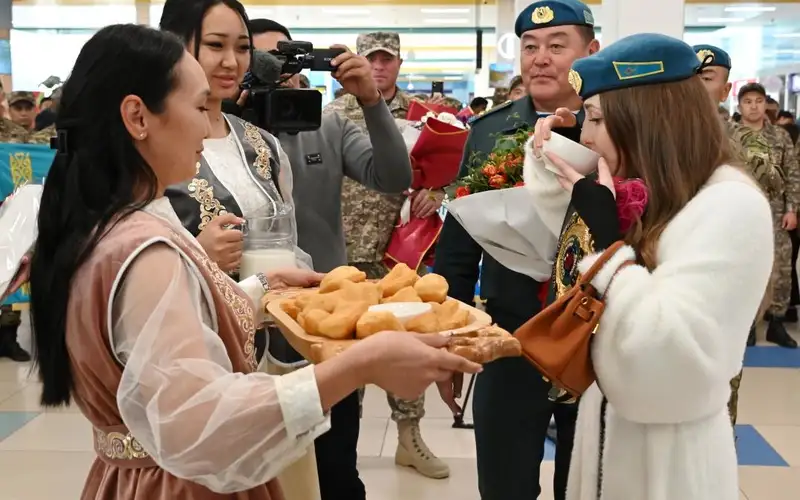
[[589, 275]]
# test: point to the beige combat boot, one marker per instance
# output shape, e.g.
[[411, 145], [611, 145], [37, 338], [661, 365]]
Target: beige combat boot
[[413, 452]]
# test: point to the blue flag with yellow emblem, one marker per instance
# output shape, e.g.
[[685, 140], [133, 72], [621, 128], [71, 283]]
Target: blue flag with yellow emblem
[[21, 164]]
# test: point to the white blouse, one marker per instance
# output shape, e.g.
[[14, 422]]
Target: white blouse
[[179, 395], [225, 160], [225, 157]]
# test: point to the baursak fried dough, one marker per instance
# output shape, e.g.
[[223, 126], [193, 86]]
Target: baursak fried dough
[[290, 307], [341, 324], [424, 323], [333, 280], [406, 294], [453, 321], [361, 292], [325, 301], [399, 277], [311, 320], [373, 322], [432, 288]]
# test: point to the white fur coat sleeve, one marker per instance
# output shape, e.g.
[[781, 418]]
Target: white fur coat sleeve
[[551, 200], [670, 340]]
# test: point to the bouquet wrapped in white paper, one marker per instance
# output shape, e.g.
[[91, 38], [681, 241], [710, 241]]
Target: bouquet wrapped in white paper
[[18, 230], [517, 226]]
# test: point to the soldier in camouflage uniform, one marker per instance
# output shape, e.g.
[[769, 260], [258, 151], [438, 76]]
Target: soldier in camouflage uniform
[[715, 76], [773, 163], [369, 218], [10, 132]]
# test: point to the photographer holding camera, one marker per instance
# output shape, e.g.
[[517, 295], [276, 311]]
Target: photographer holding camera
[[320, 160]]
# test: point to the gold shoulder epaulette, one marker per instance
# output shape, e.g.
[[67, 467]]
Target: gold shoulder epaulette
[[496, 108]]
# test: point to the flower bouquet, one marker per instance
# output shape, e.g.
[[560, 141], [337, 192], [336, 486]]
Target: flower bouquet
[[517, 224], [18, 228], [436, 144], [417, 109]]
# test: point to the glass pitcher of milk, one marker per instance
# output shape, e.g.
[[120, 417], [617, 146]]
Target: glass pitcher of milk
[[268, 243]]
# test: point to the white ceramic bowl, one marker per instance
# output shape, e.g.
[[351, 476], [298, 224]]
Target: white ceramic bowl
[[582, 159], [403, 311]]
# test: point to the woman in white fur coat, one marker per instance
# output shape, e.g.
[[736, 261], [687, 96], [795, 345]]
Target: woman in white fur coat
[[655, 425]]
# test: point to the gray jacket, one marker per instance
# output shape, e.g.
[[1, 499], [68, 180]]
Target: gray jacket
[[320, 160]]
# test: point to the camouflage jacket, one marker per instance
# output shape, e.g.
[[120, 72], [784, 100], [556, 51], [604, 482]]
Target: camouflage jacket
[[10, 132], [368, 217], [772, 161]]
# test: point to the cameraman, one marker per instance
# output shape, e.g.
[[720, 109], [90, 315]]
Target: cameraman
[[320, 160]]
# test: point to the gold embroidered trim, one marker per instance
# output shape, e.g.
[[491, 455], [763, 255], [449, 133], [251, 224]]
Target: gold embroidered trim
[[241, 306], [576, 243], [210, 207], [263, 153], [119, 446]]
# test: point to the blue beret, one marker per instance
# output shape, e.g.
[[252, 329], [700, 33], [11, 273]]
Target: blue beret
[[718, 56], [643, 59], [548, 13]]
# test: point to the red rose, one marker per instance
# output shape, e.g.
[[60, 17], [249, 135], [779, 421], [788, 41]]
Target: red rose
[[462, 191], [632, 198], [489, 171], [501, 169], [497, 181]]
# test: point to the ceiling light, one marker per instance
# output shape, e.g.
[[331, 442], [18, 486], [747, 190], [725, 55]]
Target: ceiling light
[[753, 8], [718, 20], [446, 20], [347, 12], [444, 11]]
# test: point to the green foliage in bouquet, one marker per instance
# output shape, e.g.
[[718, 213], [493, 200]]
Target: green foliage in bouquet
[[501, 169]]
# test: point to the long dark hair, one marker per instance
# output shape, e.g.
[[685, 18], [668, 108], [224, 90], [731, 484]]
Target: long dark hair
[[675, 153], [97, 177], [184, 18]]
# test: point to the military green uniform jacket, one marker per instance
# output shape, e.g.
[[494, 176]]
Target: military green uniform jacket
[[512, 298], [772, 161]]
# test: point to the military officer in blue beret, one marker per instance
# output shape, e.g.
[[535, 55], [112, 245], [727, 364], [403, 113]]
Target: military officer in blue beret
[[716, 72], [512, 406]]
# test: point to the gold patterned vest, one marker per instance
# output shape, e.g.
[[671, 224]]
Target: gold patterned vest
[[97, 373], [202, 199]]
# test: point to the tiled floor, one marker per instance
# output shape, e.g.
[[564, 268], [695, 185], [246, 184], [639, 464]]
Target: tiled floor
[[45, 454]]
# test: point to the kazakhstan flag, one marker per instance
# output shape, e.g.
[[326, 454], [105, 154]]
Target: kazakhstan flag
[[20, 164]]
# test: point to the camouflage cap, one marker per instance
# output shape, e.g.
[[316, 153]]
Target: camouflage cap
[[386, 41], [16, 97]]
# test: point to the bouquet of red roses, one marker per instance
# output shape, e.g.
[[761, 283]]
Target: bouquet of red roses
[[502, 169]]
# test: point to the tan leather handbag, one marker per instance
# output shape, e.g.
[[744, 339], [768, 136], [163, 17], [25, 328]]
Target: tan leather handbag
[[558, 339]]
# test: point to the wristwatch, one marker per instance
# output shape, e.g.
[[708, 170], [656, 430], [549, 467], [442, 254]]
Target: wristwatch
[[264, 281]]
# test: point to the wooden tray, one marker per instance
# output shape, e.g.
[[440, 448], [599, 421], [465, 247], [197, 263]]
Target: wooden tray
[[317, 349]]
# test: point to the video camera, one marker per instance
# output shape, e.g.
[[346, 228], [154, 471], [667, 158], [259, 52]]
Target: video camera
[[280, 109]]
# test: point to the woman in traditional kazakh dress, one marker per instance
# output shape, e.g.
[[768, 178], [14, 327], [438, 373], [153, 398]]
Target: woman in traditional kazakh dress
[[134, 322]]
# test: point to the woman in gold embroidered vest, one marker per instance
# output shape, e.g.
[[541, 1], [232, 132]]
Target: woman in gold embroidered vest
[[134, 322], [243, 172]]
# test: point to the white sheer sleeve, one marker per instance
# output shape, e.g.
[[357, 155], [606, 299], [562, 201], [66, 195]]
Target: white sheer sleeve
[[286, 185], [179, 396]]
